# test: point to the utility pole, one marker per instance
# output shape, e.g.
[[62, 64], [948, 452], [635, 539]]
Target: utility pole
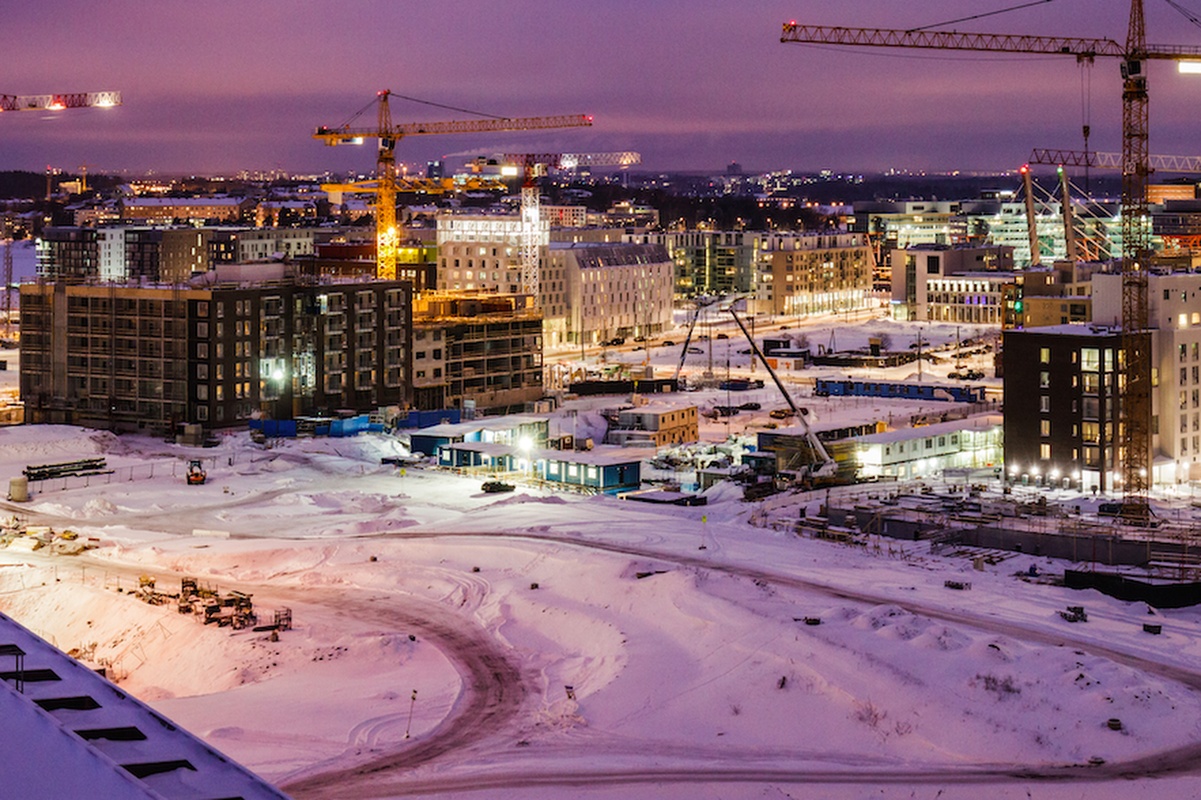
[[919, 355]]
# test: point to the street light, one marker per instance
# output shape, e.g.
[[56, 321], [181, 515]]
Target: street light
[[526, 445]]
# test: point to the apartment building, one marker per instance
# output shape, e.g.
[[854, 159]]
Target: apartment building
[[812, 273], [148, 357], [1062, 401], [476, 350], [165, 210], [588, 291], [940, 283]]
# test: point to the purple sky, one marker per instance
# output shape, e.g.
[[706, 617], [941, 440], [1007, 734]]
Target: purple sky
[[221, 85]]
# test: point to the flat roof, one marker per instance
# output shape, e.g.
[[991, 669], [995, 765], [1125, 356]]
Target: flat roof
[[1074, 329], [603, 456], [980, 423], [483, 424]]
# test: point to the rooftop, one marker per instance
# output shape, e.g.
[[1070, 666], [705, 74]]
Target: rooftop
[[81, 736]]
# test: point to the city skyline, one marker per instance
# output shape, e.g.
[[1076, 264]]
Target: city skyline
[[691, 87]]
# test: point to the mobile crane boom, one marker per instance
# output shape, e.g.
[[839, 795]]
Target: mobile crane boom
[[823, 465]]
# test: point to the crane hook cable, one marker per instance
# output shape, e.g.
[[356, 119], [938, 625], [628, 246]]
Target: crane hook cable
[[980, 16]]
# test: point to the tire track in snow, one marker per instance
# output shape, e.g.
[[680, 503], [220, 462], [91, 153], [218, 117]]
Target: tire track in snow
[[366, 782]]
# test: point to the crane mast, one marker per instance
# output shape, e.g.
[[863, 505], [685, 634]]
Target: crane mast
[[387, 234], [534, 165], [1135, 370]]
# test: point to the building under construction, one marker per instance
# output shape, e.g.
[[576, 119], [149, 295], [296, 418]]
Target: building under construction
[[153, 357]]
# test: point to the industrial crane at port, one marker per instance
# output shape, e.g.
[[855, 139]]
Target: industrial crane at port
[[534, 166], [384, 187], [1135, 407]]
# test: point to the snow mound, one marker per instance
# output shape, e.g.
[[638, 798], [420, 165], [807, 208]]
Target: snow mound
[[99, 507]]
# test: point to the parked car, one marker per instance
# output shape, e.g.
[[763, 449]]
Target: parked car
[[750, 406], [723, 336], [696, 351], [666, 343], [493, 487], [780, 413]]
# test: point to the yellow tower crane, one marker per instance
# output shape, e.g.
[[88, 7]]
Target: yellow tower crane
[[1133, 55], [384, 187]]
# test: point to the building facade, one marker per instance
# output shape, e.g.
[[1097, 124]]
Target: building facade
[[813, 273], [654, 426], [165, 210], [951, 284], [1062, 404], [129, 358], [588, 291], [476, 350], [612, 290]]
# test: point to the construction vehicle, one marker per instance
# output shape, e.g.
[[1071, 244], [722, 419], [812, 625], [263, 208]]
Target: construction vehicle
[[384, 186], [196, 474], [821, 468]]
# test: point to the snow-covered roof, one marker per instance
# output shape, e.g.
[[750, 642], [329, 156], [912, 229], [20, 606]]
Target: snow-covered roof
[[981, 423], [598, 457], [486, 424], [1072, 329]]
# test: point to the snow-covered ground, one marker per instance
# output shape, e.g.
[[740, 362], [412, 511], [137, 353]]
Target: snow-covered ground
[[451, 643]]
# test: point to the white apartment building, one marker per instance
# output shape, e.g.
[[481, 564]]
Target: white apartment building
[[812, 273], [267, 243], [1174, 301], [612, 290], [945, 284], [110, 252], [589, 291]]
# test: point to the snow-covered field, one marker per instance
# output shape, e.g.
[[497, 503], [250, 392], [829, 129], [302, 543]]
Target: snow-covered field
[[450, 643]]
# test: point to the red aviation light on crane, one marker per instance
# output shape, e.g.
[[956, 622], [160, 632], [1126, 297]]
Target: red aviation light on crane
[[1024, 169]]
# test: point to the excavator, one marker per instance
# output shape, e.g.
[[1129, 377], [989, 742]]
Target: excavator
[[196, 475]]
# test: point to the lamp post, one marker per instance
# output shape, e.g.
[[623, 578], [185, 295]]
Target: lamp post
[[277, 379]]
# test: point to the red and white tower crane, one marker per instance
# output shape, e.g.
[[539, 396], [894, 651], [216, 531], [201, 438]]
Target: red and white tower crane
[[534, 166]]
